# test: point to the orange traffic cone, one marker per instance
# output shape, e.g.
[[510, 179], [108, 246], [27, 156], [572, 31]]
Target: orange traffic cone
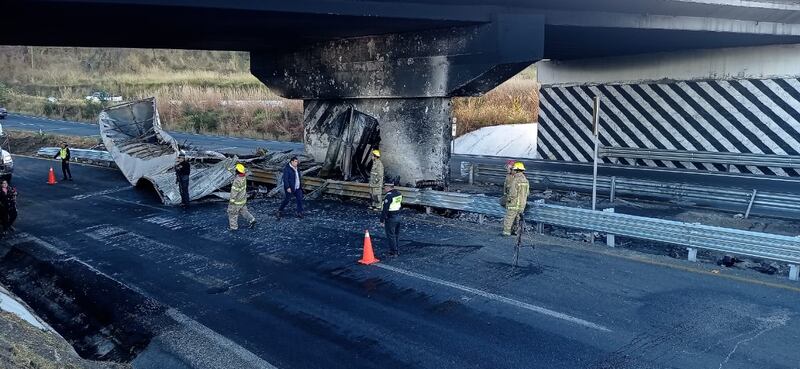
[[51, 178], [369, 257]]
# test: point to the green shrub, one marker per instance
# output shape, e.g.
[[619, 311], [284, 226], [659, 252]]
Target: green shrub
[[50, 108], [201, 120], [91, 110], [5, 94]]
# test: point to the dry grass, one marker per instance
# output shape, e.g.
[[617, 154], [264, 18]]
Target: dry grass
[[205, 92], [515, 101]]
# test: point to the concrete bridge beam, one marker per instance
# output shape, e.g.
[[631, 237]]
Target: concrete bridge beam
[[402, 83]]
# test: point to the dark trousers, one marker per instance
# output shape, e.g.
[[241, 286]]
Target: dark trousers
[[8, 216], [298, 197], [183, 183], [392, 227], [65, 169]]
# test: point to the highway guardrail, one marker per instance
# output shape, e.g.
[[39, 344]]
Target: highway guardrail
[[726, 158], [740, 200], [691, 235], [96, 157]]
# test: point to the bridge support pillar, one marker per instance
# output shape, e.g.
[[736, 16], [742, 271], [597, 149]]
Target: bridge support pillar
[[413, 135], [794, 272], [393, 91]]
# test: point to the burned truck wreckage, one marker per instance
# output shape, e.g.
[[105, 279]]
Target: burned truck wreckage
[[143, 151], [338, 146]]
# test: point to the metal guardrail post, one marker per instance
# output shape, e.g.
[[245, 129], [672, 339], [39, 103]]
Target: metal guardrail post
[[613, 191], [471, 173], [794, 272], [692, 254], [610, 238], [750, 204], [481, 218]]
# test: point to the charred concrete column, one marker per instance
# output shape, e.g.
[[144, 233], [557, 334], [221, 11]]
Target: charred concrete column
[[400, 82]]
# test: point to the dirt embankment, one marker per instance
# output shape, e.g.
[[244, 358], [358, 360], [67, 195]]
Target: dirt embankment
[[27, 143], [23, 346]]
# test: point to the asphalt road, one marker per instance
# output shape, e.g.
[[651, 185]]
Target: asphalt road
[[291, 292], [234, 145]]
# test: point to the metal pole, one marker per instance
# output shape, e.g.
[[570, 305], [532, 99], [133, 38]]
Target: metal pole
[[595, 124], [750, 204], [613, 189], [453, 137]]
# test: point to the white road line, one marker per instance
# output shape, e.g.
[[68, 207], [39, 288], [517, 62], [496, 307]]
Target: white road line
[[135, 203], [100, 193], [495, 297], [223, 345]]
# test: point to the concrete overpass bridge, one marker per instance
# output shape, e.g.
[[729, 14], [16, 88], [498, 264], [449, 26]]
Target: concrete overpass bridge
[[395, 64]]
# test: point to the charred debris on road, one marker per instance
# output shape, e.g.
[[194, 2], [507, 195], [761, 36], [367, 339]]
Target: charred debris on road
[[145, 153]]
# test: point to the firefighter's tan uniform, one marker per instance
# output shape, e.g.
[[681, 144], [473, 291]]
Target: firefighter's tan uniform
[[517, 198], [376, 181], [238, 202]]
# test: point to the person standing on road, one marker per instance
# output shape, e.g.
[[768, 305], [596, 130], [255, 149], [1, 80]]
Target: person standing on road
[[291, 188], [64, 155], [8, 206], [376, 180], [238, 202], [518, 191], [390, 217], [182, 172]]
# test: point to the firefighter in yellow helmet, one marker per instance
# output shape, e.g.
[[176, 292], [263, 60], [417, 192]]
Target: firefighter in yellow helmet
[[238, 202], [516, 198], [376, 181]]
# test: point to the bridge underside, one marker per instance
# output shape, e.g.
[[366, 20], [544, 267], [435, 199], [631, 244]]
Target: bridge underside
[[395, 64]]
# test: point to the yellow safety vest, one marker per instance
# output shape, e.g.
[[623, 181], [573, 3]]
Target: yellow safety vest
[[522, 187], [397, 201], [63, 154], [239, 192]]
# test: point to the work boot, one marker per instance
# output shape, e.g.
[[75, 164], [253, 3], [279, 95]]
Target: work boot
[[300, 215], [252, 224], [394, 253], [505, 234]]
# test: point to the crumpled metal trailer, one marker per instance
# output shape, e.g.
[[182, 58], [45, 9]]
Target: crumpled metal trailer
[[143, 151]]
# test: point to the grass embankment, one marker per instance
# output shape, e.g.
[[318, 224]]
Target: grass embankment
[[28, 143], [24, 346], [199, 91]]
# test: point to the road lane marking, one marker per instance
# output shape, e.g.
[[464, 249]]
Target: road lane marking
[[496, 297], [135, 203], [100, 193]]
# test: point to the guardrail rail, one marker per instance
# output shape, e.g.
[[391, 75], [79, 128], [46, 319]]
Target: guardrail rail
[[726, 158], [691, 235], [740, 200]]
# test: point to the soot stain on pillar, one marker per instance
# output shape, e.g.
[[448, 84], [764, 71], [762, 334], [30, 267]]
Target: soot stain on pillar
[[415, 133]]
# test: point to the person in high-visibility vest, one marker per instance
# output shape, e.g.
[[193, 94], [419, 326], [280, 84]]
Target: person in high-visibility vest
[[376, 180], [390, 217], [517, 197], [238, 202], [64, 155]]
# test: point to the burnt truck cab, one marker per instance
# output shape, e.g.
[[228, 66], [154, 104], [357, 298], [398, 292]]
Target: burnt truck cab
[[6, 162]]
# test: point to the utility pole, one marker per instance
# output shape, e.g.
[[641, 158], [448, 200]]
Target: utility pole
[[595, 134]]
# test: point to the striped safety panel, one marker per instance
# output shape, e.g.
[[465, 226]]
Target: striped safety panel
[[745, 116]]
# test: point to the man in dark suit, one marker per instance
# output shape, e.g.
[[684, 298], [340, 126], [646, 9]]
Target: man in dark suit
[[291, 187]]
